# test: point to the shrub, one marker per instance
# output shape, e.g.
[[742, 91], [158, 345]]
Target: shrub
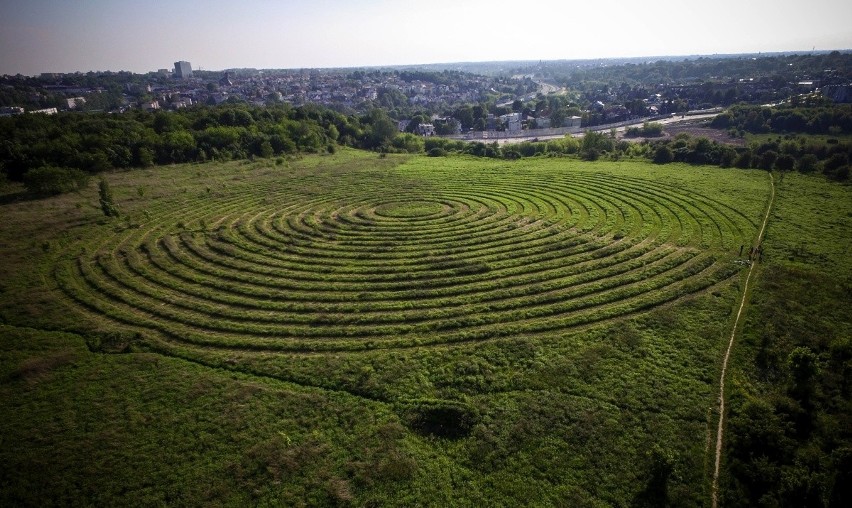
[[112, 342], [743, 161], [409, 143], [595, 143], [440, 418], [569, 144], [834, 163], [808, 163], [767, 160], [785, 162], [727, 157], [652, 130], [841, 174], [511, 154], [663, 155], [106, 200]]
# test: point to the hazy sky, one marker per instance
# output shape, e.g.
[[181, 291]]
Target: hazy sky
[[82, 35]]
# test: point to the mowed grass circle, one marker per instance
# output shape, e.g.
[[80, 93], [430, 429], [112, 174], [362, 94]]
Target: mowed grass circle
[[387, 263], [415, 209]]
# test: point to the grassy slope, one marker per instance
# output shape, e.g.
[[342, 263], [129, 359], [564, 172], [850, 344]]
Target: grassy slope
[[587, 417]]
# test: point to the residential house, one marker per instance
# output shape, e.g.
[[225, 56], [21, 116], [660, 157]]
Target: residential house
[[426, 129]]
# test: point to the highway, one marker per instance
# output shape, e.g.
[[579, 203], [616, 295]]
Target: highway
[[597, 128]]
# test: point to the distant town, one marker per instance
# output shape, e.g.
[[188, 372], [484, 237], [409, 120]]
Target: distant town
[[434, 101]]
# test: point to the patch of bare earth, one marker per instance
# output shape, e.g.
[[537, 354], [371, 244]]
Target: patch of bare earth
[[717, 135], [33, 370]]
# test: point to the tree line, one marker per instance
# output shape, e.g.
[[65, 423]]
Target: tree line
[[822, 118], [54, 154], [64, 148]]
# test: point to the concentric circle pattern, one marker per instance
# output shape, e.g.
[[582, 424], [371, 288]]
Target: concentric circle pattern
[[459, 259]]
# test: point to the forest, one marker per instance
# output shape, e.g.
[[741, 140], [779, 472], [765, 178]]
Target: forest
[[93, 143]]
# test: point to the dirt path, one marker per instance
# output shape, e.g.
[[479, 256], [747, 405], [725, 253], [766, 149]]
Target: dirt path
[[715, 489]]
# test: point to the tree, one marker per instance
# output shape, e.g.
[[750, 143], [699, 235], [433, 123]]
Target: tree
[[595, 143], [557, 117], [144, 157], [807, 163], [663, 155], [265, 150], [409, 143], [768, 160], [661, 465], [743, 160], [51, 180], [465, 116], [652, 129], [785, 162], [804, 366], [107, 203], [382, 129]]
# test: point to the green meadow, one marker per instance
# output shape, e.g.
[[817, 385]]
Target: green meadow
[[356, 330]]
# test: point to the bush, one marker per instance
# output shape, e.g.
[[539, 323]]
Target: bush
[[51, 180], [591, 154], [840, 174], [437, 152], [744, 159], [785, 162], [511, 154], [834, 163], [440, 418], [106, 200], [652, 130], [594, 144], [663, 155], [449, 145], [808, 163], [408, 143], [727, 157], [560, 146], [767, 160]]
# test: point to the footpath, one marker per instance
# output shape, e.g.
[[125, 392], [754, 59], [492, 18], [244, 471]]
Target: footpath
[[719, 430]]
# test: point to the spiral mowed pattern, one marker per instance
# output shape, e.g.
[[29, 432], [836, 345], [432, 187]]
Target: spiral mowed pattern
[[360, 266]]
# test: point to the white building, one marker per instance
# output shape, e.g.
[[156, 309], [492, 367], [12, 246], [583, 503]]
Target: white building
[[73, 102], [426, 129], [512, 121], [183, 70]]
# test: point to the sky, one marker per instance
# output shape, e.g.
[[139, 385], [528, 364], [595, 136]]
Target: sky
[[98, 35]]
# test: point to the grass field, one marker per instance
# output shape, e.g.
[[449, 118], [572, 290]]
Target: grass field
[[349, 329]]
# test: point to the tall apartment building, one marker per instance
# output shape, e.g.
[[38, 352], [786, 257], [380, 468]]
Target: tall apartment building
[[183, 70]]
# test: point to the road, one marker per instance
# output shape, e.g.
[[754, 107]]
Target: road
[[604, 129]]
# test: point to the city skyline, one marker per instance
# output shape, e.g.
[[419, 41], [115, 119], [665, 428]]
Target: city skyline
[[97, 35]]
